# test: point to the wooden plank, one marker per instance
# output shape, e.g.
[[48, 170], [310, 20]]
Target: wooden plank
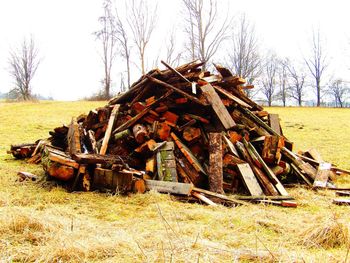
[[108, 132], [322, 175], [342, 193], [177, 90], [314, 154], [97, 158], [249, 179], [300, 174], [188, 154], [169, 187], [73, 137], [62, 160], [231, 147], [268, 187], [341, 201], [232, 97], [215, 173], [220, 196], [204, 199], [299, 163], [166, 164], [267, 169], [274, 123], [133, 120], [219, 108]]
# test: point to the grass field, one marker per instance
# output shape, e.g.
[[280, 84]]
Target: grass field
[[44, 223]]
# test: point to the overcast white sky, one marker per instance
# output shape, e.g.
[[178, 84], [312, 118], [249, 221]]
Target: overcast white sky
[[71, 69]]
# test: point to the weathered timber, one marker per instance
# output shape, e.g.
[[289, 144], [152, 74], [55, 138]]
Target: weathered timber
[[342, 193], [97, 159], [267, 170], [177, 90], [249, 179], [140, 133], [231, 147], [271, 152], [300, 174], [314, 154], [73, 137], [341, 201], [166, 164], [322, 175], [274, 123], [299, 163], [232, 97], [113, 180], [64, 160], [191, 134], [237, 115], [268, 187], [215, 173], [169, 187], [60, 171], [26, 176], [219, 196], [203, 198], [108, 132], [92, 139], [188, 154], [220, 110], [21, 151], [133, 120]]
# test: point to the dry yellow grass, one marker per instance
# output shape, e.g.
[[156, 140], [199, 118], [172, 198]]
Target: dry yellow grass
[[43, 223]]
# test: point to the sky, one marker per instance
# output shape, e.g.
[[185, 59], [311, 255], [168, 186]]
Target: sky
[[71, 68]]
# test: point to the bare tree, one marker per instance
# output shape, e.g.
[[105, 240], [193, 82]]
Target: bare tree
[[125, 47], [107, 37], [204, 31], [269, 82], [23, 64], [338, 90], [142, 22], [296, 84], [282, 73], [172, 57], [317, 63], [244, 56]]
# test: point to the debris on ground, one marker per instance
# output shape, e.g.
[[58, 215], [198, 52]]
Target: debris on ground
[[183, 131]]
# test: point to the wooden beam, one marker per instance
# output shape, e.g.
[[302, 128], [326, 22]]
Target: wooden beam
[[220, 196], [108, 132], [215, 173], [204, 199], [274, 123], [218, 107], [249, 179], [169, 187], [177, 90], [232, 97], [73, 137], [322, 175]]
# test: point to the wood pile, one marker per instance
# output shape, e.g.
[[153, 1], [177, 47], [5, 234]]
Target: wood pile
[[181, 131]]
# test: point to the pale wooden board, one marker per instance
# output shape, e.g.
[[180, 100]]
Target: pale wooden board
[[275, 123], [341, 201], [108, 132], [219, 108], [249, 179], [169, 187], [322, 175]]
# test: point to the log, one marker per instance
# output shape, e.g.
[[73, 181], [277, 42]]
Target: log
[[140, 133], [215, 173], [26, 176], [60, 171]]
